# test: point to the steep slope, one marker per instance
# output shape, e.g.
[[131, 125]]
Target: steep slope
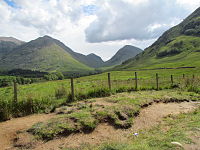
[[177, 47], [7, 44], [122, 55], [43, 54]]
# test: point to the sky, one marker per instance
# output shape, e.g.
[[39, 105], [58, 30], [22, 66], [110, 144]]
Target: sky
[[93, 26]]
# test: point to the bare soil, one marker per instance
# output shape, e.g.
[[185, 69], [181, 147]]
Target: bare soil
[[147, 118], [9, 129]]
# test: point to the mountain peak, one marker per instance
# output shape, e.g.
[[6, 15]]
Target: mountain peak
[[11, 39], [123, 54], [129, 47], [47, 37], [92, 54]]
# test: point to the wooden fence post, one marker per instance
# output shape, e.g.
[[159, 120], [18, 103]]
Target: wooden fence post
[[172, 80], [157, 84], [15, 92], [136, 81], [109, 81], [183, 76], [72, 89], [193, 76]]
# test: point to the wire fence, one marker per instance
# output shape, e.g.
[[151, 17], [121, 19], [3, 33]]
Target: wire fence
[[79, 86]]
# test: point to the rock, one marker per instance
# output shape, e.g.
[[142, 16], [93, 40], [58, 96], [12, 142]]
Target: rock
[[122, 116], [64, 110], [177, 143]]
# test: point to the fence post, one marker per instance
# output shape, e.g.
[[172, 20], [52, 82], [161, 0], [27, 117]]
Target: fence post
[[72, 88], [109, 81], [15, 91], [193, 76], [172, 80], [183, 76], [157, 84], [136, 81]]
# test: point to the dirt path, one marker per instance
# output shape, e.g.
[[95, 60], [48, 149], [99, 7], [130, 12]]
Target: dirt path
[[153, 115], [9, 128], [148, 117]]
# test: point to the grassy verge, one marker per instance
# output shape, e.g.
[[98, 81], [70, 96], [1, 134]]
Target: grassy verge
[[40, 97]]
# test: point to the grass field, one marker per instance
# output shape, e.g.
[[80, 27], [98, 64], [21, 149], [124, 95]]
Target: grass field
[[45, 96]]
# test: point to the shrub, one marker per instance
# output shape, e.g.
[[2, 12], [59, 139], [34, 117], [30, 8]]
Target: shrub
[[170, 52]]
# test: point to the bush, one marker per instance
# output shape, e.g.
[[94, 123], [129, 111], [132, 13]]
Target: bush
[[170, 52], [54, 76]]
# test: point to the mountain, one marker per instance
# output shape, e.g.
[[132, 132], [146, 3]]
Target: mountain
[[177, 47], [94, 60], [7, 44], [42, 54], [49, 54], [122, 55]]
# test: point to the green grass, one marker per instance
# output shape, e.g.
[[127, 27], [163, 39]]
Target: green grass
[[54, 93]]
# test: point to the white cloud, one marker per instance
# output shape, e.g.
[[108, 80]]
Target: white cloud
[[117, 22], [141, 19]]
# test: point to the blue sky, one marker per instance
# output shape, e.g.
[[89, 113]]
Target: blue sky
[[90, 9], [11, 3]]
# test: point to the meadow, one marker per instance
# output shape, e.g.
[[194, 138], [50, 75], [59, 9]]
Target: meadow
[[46, 96]]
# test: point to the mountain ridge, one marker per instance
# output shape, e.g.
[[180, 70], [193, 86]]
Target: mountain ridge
[[175, 48], [43, 54], [49, 54]]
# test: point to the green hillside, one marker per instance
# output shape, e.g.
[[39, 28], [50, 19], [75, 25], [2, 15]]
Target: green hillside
[[42, 54], [177, 47]]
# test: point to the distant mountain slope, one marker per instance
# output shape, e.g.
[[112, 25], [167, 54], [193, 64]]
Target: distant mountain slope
[[43, 54], [87, 60], [122, 55], [7, 44], [177, 47], [94, 60], [11, 39]]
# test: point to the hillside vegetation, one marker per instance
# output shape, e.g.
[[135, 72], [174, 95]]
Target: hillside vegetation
[[177, 47]]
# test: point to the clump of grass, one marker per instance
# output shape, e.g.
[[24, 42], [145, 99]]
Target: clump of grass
[[61, 92], [121, 90], [10, 109], [5, 110], [99, 93], [65, 125], [102, 92], [191, 84]]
